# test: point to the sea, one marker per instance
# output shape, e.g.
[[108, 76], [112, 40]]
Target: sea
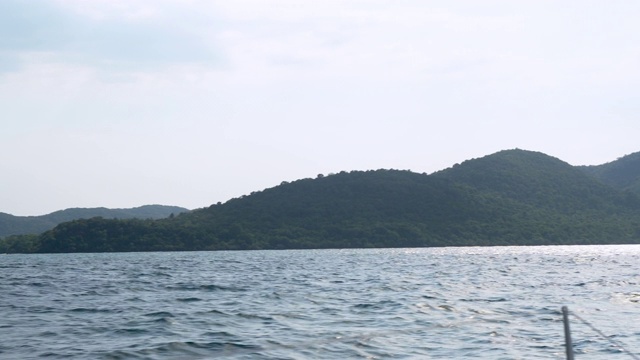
[[410, 303]]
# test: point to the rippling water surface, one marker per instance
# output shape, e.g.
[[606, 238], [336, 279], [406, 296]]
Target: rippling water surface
[[491, 303]]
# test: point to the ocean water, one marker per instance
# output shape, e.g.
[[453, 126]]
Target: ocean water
[[434, 303]]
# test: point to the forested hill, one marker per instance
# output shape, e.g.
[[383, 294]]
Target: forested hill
[[513, 197], [18, 225], [622, 174], [540, 181]]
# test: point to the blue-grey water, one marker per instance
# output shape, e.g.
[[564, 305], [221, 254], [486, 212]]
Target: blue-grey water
[[447, 303]]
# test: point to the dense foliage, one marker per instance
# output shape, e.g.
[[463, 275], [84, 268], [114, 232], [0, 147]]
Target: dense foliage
[[509, 198], [21, 225], [622, 174]]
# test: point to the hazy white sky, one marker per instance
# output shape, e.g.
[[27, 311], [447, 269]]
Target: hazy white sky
[[121, 103]]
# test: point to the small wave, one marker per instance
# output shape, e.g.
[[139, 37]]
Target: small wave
[[160, 314], [376, 306], [429, 297], [495, 321], [273, 295], [329, 311], [135, 299], [217, 312], [161, 274], [218, 334], [364, 306], [446, 308], [254, 316], [294, 315], [209, 287], [221, 288], [87, 293], [48, 334], [38, 284], [189, 350], [190, 299], [164, 320], [37, 309], [90, 310], [131, 332], [489, 300]]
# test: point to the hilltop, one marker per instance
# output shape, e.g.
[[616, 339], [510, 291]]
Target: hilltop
[[513, 197]]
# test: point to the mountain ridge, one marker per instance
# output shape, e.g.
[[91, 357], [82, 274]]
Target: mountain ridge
[[22, 225], [512, 197]]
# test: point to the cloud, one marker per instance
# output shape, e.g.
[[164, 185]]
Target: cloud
[[134, 40], [239, 95]]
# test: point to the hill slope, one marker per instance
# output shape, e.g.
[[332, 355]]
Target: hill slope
[[538, 180], [622, 174], [19, 225], [513, 197]]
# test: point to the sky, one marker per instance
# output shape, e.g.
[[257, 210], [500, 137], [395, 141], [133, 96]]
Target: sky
[[122, 103]]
